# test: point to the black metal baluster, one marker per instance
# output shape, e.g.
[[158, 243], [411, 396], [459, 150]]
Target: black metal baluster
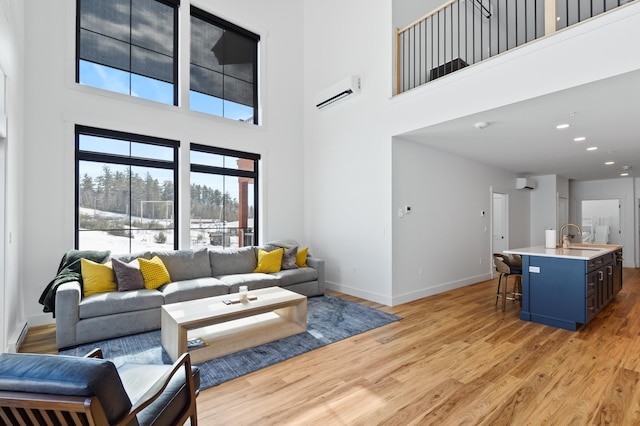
[[466, 34], [490, 38], [451, 30], [432, 49], [420, 82], [458, 20]]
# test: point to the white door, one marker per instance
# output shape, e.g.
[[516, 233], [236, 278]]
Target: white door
[[499, 220]]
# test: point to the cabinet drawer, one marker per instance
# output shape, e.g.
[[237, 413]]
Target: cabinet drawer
[[597, 262]]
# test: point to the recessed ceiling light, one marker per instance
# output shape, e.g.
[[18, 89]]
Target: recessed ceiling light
[[609, 163], [624, 174], [592, 148], [562, 126], [580, 139]]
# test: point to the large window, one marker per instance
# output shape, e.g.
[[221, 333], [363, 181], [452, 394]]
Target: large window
[[224, 68], [126, 191], [129, 47], [224, 197]]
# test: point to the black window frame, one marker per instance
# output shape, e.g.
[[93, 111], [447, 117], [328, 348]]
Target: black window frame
[[128, 161], [224, 171], [229, 26], [175, 4]]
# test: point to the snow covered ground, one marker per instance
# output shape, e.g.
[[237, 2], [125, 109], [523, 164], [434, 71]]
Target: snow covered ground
[[144, 239]]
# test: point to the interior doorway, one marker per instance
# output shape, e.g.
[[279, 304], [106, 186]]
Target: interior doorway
[[499, 222], [601, 221]]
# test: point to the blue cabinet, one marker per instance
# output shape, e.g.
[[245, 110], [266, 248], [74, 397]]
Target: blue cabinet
[[565, 292]]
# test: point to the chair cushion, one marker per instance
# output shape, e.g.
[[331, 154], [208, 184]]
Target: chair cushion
[[138, 378], [66, 375]]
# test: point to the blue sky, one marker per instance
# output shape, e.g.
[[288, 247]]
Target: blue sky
[[127, 83]]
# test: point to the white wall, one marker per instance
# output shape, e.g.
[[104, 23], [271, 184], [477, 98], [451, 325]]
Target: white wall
[[12, 15], [348, 149], [544, 205], [445, 242], [407, 11], [55, 104], [622, 189]]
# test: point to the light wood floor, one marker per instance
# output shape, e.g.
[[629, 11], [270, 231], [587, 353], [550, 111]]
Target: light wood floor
[[453, 359]]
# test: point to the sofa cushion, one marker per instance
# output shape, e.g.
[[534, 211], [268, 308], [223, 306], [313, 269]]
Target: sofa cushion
[[66, 375], [129, 257], [232, 261], [197, 288], [119, 301], [154, 272], [97, 277], [301, 257], [296, 276], [185, 264], [128, 275], [289, 258], [269, 261], [251, 280]]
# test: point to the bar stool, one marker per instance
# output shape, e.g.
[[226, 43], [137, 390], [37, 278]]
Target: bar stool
[[506, 266]]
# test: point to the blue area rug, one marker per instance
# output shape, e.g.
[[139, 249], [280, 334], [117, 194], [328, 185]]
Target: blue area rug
[[329, 319]]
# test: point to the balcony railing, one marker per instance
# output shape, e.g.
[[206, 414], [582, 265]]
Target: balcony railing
[[465, 32]]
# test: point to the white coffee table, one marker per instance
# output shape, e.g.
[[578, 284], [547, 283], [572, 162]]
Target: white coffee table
[[274, 314]]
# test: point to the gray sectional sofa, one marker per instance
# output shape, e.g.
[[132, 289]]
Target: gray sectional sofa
[[194, 275]]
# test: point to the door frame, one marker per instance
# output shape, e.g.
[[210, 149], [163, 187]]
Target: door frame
[[505, 208]]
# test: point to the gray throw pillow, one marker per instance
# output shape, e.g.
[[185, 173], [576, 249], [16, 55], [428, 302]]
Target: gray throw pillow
[[289, 258], [128, 275]]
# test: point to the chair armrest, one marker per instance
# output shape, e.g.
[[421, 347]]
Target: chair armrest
[[96, 353], [154, 392]]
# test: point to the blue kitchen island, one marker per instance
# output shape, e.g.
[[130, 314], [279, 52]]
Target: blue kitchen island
[[567, 287]]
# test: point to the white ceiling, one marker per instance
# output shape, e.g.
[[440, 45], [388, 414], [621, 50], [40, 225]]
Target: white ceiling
[[523, 138]]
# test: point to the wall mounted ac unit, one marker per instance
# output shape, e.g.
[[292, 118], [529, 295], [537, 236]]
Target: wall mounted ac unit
[[345, 89], [525, 183]]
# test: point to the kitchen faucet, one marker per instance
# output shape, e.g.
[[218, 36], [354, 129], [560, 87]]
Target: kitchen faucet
[[566, 225]]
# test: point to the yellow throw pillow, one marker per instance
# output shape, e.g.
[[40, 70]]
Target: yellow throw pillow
[[301, 257], [269, 261], [154, 272], [97, 277]]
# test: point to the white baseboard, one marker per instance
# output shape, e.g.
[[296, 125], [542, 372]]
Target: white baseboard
[[406, 297], [18, 336]]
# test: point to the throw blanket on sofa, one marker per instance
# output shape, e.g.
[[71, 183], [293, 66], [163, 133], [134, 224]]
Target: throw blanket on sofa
[[69, 270]]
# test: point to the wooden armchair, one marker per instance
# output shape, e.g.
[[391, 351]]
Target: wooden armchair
[[64, 390]]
